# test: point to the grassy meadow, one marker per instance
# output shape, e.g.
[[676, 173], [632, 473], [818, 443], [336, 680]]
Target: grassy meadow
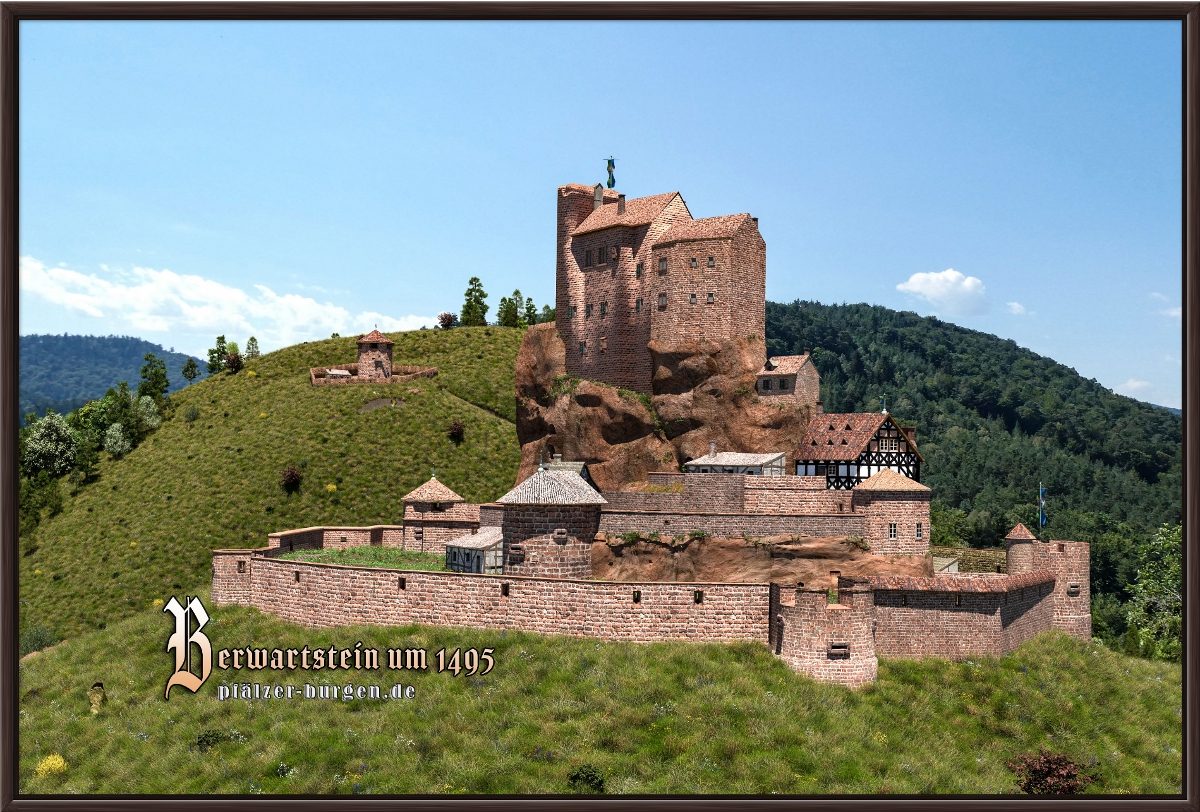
[[372, 557], [658, 718], [145, 527]]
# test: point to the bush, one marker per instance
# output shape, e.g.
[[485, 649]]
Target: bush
[[191, 413], [586, 779], [116, 442], [290, 479], [36, 638], [456, 431], [447, 321], [53, 764], [697, 535], [1048, 773], [49, 446], [234, 362]]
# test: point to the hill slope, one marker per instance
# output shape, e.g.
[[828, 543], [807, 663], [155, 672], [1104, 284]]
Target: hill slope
[[62, 372], [146, 526], [656, 718]]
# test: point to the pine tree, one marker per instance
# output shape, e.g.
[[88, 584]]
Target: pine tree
[[508, 314], [216, 356], [531, 314], [474, 311], [154, 382], [251, 348], [191, 370], [547, 314]]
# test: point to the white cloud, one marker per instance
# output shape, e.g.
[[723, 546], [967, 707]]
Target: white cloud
[[949, 291], [1017, 309], [1172, 312], [153, 300], [1133, 386], [1154, 294]]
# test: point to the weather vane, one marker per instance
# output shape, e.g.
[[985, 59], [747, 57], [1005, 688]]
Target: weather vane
[[612, 165]]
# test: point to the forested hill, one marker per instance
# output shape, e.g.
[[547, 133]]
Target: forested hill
[[61, 372], [994, 419]]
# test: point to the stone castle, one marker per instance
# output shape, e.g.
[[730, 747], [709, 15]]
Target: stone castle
[[634, 276]]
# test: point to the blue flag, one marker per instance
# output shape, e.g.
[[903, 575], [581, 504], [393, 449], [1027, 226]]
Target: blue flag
[[612, 165], [1042, 518]]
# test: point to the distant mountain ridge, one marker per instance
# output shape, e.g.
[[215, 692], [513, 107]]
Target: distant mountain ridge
[[62, 372]]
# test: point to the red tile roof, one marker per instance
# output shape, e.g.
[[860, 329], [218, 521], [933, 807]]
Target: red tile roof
[[963, 582], [1021, 532], [433, 491], [784, 365], [889, 480], [710, 228], [839, 436], [374, 337], [640, 211]]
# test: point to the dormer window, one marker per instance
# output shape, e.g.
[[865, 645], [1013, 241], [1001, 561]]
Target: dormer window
[[662, 266], [712, 263]]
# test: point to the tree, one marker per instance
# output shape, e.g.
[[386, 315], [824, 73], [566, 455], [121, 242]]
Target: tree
[[147, 414], [216, 356], [531, 314], [232, 349], [447, 321], [154, 378], [1155, 612], [474, 309], [508, 314], [116, 441], [233, 362], [49, 446], [190, 370], [251, 348], [547, 314], [87, 457]]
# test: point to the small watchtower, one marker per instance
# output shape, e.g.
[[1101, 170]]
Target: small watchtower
[[374, 356]]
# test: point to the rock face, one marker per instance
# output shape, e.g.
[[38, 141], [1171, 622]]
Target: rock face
[[703, 392], [780, 559]]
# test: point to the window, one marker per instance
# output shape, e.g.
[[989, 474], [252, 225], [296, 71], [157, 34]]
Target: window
[[662, 266], [603, 309], [374, 346], [766, 384], [920, 531], [419, 534], [602, 255], [241, 566], [693, 263], [637, 306], [583, 348], [712, 263], [603, 343], [573, 312], [889, 444], [783, 384], [641, 266], [587, 258], [662, 301], [587, 310], [711, 297], [692, 299], [891, 530]]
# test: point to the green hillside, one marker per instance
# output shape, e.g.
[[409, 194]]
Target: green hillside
[[62, 372], [660, 718], [144, 529]]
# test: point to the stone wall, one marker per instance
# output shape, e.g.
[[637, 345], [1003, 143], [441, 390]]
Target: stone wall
[[427, 530], [958, 616], [330, 595], [1070, 563], [549, 540], [231, 576], [399, 375], [337, 538], [904, 508], [616, 522], [794, 494]]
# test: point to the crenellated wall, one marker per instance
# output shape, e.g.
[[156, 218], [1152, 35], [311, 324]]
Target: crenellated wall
[[1069, 561]]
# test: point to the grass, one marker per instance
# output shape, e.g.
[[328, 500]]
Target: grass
[[659, 718], [145, 528], [389, 557]]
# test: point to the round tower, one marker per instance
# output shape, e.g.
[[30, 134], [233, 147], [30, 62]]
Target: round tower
[[1018, 550], [374, 357]]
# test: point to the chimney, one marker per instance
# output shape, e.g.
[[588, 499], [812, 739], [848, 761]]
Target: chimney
[[597, 196], [712, 448], [820, 407], [755, 219], [558, 457], [620, 204]]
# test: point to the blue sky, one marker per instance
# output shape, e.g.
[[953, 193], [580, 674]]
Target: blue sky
[[289, 180]]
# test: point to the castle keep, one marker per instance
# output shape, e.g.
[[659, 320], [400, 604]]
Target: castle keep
[[635, 278]]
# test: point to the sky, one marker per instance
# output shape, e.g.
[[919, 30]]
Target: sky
[[289, 180]]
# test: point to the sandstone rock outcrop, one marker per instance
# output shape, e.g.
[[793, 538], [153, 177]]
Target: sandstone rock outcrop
[[703, 392]]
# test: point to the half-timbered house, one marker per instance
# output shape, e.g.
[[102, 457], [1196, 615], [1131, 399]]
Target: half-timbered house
[[848, 448]]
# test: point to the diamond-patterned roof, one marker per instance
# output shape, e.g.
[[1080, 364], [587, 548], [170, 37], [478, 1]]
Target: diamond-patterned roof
[[784, 364], [707, 228], [374, 337], [889, 480], [639, 211], [553, 488], [1021, 532]]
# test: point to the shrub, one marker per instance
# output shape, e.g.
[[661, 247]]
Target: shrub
[[36, 638], [116, 442], [447, 321], [631, 536], [53, 764], [50, 446], [290, 479], [331, 488], [697, 535], [251, 374], [191, 413], [234, 362], [1048, 773], [456, 431], [147, 413], [586, 778], [208, 739]]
